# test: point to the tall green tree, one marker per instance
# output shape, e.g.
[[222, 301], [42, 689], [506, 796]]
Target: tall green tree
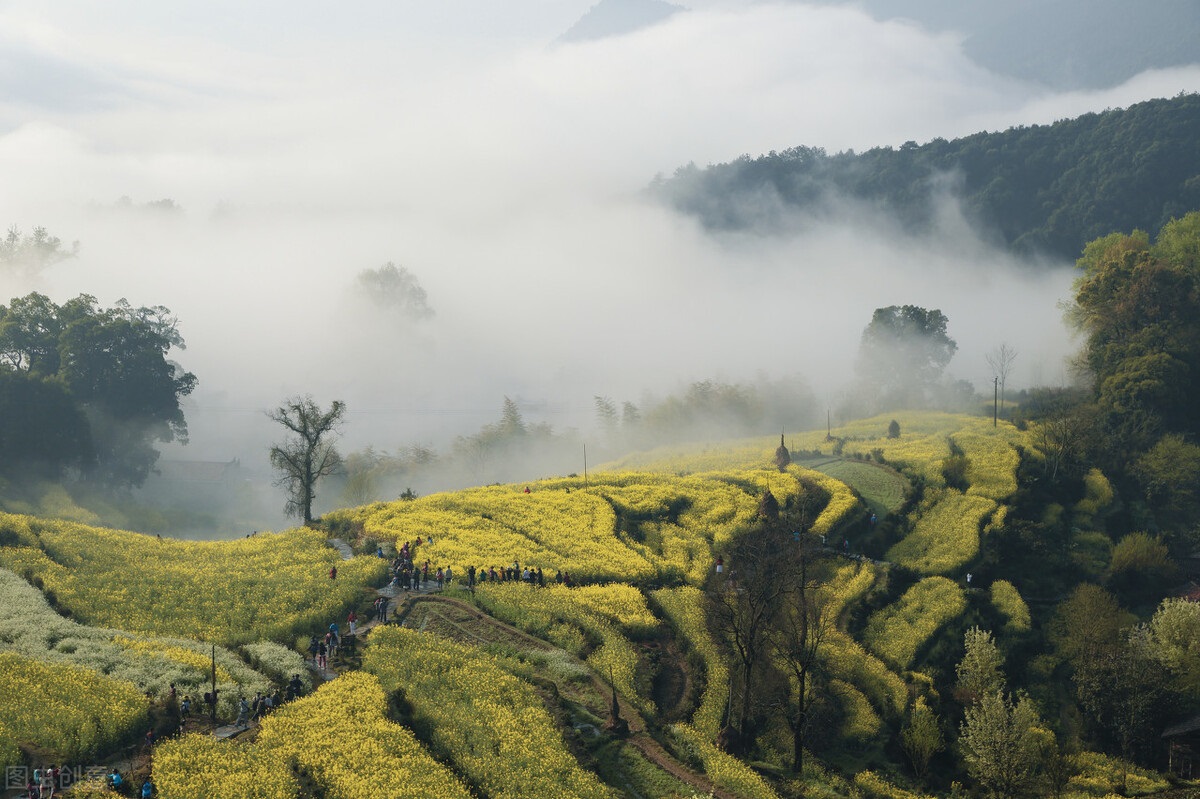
[[1173, 639], [921, 738], [114, 365], [1002, 745], [309, 454], [1138, 304], [42, 429], [903, 353], [980, 672]]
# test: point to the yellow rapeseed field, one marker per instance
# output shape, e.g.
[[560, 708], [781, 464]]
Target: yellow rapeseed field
[[71, 712], [340, 735], [268, 586], [898, 631], [489, 723]]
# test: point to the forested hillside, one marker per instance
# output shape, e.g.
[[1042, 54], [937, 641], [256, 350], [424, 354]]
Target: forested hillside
[[1043, 189]]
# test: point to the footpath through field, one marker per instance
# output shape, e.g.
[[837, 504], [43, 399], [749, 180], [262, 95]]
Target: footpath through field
[[409, 601]]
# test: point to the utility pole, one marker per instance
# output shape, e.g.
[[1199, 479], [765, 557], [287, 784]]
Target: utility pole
[[585, 477], [212, 707], [995, 398]]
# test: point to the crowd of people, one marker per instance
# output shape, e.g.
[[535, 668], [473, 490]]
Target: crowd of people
[[515, 573], [46, 781], [407, 573], [411, 574]]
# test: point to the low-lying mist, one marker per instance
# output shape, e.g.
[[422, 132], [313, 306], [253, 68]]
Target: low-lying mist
[[506, 175]]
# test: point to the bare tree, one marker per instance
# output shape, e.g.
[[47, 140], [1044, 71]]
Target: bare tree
[[309, 456], [745, 602], [1001, 360], [797, 636]]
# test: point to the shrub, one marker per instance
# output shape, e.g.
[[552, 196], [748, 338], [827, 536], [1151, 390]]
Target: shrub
[[1141, 553]]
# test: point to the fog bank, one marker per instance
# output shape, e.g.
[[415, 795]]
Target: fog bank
[[505, 173]]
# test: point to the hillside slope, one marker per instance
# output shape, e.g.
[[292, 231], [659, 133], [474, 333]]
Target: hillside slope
[[1044, 189]]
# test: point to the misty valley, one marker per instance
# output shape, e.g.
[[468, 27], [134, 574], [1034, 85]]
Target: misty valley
[[444, 408]]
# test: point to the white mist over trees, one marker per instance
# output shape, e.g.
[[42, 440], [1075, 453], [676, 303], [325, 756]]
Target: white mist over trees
[[261, 175]]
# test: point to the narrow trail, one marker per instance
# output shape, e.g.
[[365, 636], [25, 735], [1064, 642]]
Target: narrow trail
[[638, 736]]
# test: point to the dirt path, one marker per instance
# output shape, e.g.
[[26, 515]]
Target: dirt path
[[407, 601], [494, 629]]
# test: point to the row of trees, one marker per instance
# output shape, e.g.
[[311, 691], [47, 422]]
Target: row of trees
[[1137, 304]]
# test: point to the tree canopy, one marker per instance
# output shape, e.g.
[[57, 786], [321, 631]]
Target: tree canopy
[[904, 350], [106, 390], [26, 255], [396, 290], [1045, 189]]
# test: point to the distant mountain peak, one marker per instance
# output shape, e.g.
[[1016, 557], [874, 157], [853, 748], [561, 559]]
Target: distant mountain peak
[[617, 17]]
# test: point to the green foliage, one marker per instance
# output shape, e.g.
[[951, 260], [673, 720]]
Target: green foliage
[[1174, 641], [874, 786], [1097, 498], [1120, 688], [922, 737], [980, 672], [1102, 775], [1088, 620], [1169, 473], [106, 366], [1091, 553], [1141, 563], [883, 489], [954, 471], [903, 352], [1036, 186], [42, 428], [1139, 306], [1001, 744]]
